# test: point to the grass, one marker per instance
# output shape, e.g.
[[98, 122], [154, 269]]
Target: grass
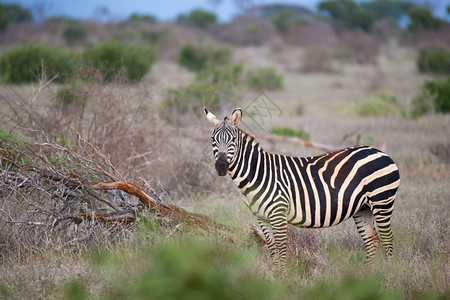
[[166, 263]]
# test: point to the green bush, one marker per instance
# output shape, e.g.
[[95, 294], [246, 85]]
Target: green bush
[[199, 18], [421, 18], [265, 78], [70, 95], [287, 131], [380, 104], [112, 57], [192, 267], [24, 63], [434, 59], [221, 74], [213, 87], [74, 34], [190, 99], [196, 58], [13, 13], [434, 96], [281, 21]]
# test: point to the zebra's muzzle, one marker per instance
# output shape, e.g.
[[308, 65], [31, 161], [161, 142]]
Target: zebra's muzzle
[[222, 164]]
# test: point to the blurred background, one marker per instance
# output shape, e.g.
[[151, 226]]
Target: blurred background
[[132, 77]]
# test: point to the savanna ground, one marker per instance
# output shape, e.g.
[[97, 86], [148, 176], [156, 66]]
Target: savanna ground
[[156, 261]]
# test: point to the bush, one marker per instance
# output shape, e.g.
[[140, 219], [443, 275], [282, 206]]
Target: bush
[[189, 99], [213, 87], [421, 18], [199, 18], [24, 63], [434, 59], [196, 58], [74, 34], [281, 21], [228, 73], [70, 95], [380, 104], [433, 97], [112, 57], [13, 13], [264, 78], [187, 268], [287, 131]]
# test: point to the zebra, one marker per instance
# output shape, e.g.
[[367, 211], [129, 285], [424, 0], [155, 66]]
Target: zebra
[[315, 192]]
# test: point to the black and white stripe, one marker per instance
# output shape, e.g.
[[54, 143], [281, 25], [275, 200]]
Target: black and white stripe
[[320, 191]]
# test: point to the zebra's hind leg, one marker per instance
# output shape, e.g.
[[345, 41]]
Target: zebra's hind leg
[[382, 211], [364, 221]]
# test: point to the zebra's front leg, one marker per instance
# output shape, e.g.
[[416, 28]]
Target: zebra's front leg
[[275, 235]]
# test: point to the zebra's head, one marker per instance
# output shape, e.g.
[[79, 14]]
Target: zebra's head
[[224, 138]]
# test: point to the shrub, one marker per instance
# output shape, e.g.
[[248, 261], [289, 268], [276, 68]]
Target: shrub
[[111, 57], [433, 97], [13, 13], [199, 18], [213, 87], [190, 98], [380, 104], [264, 78], [137, 18], [281, 21], [196, 58], [421, 18], [287, 131], [74, 34], [434, 59], [227, 73], [24, 63], [186, 268], [70, 95]]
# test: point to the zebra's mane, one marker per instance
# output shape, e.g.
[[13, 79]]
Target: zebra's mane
[[250, 138]]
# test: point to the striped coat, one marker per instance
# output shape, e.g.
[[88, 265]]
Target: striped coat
[[320, 191]]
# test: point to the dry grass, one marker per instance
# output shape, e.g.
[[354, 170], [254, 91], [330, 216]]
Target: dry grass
[[123, 120]]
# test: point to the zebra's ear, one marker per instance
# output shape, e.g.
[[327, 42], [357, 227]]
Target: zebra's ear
[[212, 118], [236, 116]]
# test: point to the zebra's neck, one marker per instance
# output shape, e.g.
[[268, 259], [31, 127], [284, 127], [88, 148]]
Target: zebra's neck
[[247, 154]]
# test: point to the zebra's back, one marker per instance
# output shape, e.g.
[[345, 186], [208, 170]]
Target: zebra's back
[[328, 189]]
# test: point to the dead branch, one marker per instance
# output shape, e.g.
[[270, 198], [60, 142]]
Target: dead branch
[[70, 193], [298, 141]]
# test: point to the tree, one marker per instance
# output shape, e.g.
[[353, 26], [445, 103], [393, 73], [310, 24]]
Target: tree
[[199, 18], [13, 13], [421, 18], [348, 13], [387, 9]]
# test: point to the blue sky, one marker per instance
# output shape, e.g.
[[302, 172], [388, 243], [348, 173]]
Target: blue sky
[[163, 9], [119, 9]]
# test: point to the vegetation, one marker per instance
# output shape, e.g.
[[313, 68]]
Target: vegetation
[[138, 18], [382, 104], [13, 13], [24, 63], [264, 79], [421, 18], [281, 21], [288, 131], [348, 13], [70, 96], [195, 58], [114, 57], [434, 59], [74, 34], [389, 10], [199, 18], [434, 96], [54, 243]]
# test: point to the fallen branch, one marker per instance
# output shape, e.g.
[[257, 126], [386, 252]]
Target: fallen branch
[[298, 141]]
